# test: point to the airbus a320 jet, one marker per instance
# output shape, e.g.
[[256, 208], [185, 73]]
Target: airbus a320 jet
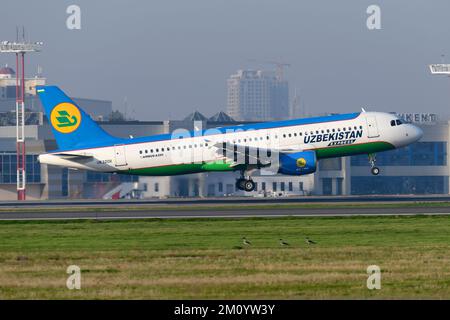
[[290, 147]]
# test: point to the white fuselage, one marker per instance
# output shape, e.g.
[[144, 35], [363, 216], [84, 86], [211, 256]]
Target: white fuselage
[[367, 133]]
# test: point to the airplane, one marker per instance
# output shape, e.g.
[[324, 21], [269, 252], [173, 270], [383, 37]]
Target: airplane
[[289, 147]]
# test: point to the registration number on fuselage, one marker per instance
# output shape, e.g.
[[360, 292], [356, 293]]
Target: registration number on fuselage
[[104, 161]]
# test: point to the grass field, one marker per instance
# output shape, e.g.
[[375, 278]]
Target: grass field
[[204, 258]]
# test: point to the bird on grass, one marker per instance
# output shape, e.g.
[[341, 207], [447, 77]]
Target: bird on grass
[[309, 241], [245, 242], [283, 243]]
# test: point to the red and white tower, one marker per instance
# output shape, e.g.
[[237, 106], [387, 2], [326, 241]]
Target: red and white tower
[[19, 49]]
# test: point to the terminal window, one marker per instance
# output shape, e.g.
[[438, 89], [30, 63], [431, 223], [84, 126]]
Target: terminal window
[[399, 185], [331, 164], [8, 168], [65, 182], [416, 154], [93, 176]]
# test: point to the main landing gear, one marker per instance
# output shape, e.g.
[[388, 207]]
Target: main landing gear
[[245, 183], [372, 160]]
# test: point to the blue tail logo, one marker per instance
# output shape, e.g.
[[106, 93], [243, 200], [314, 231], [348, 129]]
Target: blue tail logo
[[72, 127]]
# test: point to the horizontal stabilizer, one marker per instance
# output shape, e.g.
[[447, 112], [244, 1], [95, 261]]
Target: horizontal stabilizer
[[74, 155]]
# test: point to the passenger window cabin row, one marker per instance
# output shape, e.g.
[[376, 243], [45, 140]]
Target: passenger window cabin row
[[289, 135], [251, 139], [173, 148]]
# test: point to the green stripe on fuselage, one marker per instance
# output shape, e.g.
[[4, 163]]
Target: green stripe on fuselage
[[179, 169], [329, 152], [353, 149]]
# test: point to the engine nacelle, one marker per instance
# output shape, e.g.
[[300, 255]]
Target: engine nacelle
[[298, 163]]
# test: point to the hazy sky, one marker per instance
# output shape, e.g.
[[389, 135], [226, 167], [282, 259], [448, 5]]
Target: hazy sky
[[171, 57]]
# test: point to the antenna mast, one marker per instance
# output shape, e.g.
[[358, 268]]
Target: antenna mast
[[19, 48]]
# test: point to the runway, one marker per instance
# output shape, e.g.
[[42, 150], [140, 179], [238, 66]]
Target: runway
[[185, 212], [227, 201]]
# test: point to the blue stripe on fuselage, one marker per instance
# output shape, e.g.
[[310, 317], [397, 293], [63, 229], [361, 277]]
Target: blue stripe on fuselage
[[238, 128]]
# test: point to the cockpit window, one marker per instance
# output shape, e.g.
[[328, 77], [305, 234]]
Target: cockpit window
[[398, 122], [392, 123]]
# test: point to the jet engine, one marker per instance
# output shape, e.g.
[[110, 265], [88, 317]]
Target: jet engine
[[299, 163]]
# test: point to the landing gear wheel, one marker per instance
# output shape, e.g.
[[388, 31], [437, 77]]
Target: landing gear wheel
[[249, 185], [245, 182], [240, 184], [375, 171], [372, 160]]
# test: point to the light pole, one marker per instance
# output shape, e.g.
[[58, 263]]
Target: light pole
[[20, 48]]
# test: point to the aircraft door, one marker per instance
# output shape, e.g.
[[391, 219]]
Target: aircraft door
[[119, 155], [372, 128]]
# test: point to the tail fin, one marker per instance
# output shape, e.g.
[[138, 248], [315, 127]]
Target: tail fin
[[71, 126]]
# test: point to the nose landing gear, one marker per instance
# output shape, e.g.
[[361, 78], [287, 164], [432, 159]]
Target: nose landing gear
[[372, 160]]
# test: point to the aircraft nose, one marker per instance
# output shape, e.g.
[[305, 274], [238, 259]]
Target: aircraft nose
[[414, 132]]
